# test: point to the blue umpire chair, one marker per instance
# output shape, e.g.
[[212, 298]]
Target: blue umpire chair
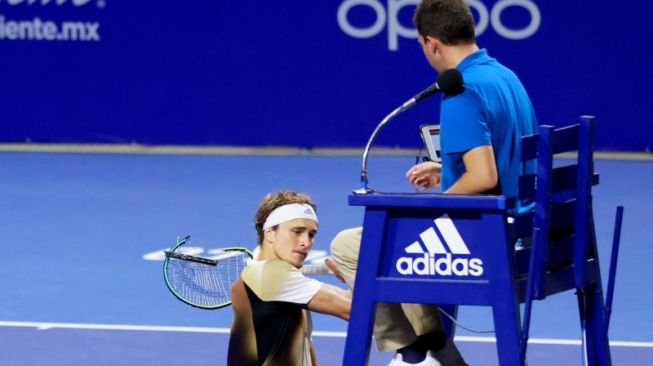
[[461, 250]]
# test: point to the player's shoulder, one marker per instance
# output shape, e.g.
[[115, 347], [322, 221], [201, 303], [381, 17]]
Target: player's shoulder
[[269, 267], [276, 280], [264, 273]]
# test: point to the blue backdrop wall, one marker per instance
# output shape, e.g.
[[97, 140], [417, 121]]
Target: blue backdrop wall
[[318, 73]]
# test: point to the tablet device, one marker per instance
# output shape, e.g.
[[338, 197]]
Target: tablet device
[[431, 137]]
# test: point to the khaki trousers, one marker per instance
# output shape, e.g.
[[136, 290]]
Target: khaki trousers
[[395, 325]]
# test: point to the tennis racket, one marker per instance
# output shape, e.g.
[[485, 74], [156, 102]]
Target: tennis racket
[[202, 282], [206, 283]]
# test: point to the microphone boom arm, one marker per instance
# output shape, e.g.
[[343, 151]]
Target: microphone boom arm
[[364, 180]]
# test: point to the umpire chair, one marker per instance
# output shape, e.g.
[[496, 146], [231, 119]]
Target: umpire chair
[[461, 250]]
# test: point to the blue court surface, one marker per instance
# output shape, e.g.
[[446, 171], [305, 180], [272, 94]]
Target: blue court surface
[[82, 277]]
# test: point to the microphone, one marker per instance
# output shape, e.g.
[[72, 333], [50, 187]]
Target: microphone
[[449, 82]]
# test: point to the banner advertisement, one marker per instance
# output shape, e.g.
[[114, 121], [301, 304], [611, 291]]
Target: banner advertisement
[[310, 74]]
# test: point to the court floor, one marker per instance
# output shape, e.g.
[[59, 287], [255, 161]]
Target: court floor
[[82, 279]]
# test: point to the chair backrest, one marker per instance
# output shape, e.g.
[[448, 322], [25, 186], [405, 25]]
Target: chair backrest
[[560, 226]]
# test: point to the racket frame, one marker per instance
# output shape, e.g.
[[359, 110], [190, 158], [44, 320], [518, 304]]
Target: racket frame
[[211, 262]]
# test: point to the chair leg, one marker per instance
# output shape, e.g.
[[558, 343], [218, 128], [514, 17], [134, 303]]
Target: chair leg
[[594, 324], [361, 321], [508, 332]]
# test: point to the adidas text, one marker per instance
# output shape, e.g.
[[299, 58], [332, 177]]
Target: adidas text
[[429, 265]]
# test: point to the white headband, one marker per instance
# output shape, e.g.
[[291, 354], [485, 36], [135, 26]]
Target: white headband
[[289, 212]]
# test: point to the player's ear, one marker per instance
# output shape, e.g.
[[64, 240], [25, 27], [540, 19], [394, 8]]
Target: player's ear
[[269, 235]]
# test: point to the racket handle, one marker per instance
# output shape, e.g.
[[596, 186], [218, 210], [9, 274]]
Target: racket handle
[[315, 269]]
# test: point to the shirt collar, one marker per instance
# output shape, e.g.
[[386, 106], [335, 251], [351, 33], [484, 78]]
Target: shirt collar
[[472, 59]]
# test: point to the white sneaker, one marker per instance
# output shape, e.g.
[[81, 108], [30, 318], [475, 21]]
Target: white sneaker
[[428, 361]]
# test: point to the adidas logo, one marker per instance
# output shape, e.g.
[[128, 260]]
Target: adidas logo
[[438, 259]]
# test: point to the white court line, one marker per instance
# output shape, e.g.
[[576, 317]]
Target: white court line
[[158, 328], [92, 326]]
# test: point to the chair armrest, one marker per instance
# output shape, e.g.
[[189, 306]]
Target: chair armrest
[[431, 200]]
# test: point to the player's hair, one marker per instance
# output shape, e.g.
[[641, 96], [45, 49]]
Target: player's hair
[[273, 200], [450, 21]]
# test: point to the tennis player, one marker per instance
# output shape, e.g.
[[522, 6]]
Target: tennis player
[[272, 324]]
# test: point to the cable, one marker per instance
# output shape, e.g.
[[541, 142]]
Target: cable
[[462, 326]]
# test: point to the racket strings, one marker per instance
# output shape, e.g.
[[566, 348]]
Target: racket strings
[[205, 285]]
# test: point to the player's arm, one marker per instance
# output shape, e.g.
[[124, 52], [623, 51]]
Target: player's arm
[[332, 300], [242, 341], [480, 172]]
